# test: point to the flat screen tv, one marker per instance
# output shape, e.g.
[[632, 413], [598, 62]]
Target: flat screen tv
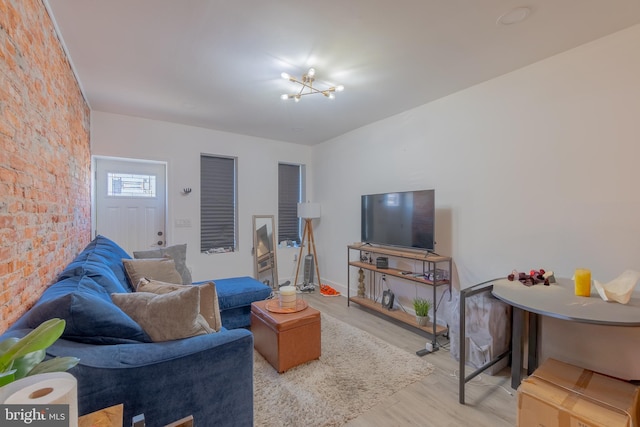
[[404, 219]]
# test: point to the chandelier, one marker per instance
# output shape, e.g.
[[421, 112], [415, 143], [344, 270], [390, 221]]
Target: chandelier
[[307, 87]]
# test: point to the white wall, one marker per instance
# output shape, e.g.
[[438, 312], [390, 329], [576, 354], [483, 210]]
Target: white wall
[[535, 169], [180, 146]]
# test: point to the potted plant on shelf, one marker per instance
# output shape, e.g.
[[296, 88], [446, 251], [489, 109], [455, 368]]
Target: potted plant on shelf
[[422, 307]]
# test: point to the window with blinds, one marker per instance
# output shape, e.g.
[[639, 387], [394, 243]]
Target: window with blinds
[[218, 195], [290, 193]]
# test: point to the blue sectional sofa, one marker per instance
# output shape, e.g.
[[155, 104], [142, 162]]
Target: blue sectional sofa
[[208, 376]]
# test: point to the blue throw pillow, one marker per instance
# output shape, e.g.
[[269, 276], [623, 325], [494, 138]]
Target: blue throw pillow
[[90, 315]]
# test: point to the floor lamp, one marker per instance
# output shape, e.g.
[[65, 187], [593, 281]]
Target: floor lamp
[[308, 211]]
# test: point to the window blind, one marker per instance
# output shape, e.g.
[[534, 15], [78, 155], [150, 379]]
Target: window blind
[[289, 195], [218, 219]]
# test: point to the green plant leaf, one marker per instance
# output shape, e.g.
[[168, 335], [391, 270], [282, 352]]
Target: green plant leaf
[[422, 306], [7, 377], [7, 344], [58, 364], [38, 339], [26, 363]]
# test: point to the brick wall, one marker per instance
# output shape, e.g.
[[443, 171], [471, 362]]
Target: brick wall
[[44, 158]]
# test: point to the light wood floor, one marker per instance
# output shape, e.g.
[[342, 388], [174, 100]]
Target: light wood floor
[[434, 400]]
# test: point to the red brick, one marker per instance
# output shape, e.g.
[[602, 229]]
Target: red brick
[[44, 157], [7, 221], [7, 175]]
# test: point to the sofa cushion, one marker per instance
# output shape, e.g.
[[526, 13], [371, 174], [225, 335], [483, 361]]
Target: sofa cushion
[[100, 253], [61, 288], [165, 317], [116, 266], [89, 314], [105, 247], [113, 256], [94, 266], [209, 308], [162, 269], [177, 252], [240, 292]]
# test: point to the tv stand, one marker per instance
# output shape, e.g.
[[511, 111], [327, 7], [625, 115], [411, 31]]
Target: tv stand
[[430, 263]]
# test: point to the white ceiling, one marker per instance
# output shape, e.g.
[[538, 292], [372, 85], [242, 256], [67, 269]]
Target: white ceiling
[[217, 63]]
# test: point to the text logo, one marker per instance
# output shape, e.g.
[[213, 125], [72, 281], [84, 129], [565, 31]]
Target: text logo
[[34, 415]]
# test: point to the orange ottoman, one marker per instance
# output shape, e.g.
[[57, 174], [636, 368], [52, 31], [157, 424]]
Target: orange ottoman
[[285, 340]]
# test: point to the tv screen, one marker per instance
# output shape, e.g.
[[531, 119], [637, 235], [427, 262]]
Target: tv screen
[[399, 219]]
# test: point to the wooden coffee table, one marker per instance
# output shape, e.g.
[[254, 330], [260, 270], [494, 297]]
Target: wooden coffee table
[[113, 417], [107, 417], [285, 340]]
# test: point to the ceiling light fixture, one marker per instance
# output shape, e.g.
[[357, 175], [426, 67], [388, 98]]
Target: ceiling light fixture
[[307, 86], [514, 16]]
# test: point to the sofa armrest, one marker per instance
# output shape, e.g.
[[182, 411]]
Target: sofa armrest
[[207, 376]]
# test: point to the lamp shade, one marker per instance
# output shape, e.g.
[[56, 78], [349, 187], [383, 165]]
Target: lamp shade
[[309, 210]]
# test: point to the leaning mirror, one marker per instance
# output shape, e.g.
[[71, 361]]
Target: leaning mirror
[[264, 250]]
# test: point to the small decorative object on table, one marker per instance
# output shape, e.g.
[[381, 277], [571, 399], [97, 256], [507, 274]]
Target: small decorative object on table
[[382, 262], [274, 306], [582, 279], [361, 283], [620, 288], [422, 307], [287, 297], [387, 299], [533, 278]]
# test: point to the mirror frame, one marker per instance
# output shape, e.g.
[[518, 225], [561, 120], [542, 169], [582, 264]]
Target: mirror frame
[[274, 263]]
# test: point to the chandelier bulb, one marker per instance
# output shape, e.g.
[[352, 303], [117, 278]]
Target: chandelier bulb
[[285, 76], [284, 96], [339, 88], [297, 98], [311, 72]]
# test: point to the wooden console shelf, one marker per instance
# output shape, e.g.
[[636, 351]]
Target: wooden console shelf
[[429, 263], [398, 315], [396, 273]]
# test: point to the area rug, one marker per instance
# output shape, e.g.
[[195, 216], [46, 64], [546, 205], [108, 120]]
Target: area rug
[[355, 372]]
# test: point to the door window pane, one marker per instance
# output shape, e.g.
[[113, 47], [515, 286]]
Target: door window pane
[[130, 185]]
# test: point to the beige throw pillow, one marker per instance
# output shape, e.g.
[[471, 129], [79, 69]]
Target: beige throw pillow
[[163, 269], [165, 317], [176, 252], [209, 307]]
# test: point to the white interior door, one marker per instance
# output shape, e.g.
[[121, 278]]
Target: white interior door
[[131, 203]]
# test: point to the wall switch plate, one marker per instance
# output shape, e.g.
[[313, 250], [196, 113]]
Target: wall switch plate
[[183, 222]]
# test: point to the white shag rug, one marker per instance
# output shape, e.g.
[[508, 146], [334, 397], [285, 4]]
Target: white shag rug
[[355, 372]]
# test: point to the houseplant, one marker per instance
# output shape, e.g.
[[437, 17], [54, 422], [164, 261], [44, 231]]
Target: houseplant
[[422, 306], [21, 357]]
